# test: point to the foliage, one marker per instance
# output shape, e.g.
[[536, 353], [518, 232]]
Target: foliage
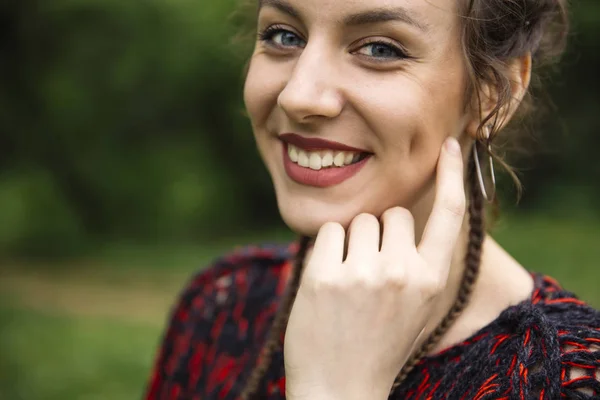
[[51, 357], [124, 120]]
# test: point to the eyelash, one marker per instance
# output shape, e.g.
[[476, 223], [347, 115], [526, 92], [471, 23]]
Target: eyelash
[[266, 36]]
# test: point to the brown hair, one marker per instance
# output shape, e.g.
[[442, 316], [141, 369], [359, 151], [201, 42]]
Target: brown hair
[[494, 32]]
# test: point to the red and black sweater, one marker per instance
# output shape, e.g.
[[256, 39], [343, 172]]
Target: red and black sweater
[[547, 347]]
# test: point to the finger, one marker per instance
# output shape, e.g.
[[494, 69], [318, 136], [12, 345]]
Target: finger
[[328, 250], [398, 231], [444, 224], [363, 239]]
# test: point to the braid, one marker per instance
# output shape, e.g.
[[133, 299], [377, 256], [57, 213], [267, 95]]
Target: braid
[[281, 318], [472, 264], [470, 274]]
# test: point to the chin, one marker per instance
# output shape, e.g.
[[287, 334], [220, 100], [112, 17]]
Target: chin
[[302, 226], [307, 219], [308, 216]]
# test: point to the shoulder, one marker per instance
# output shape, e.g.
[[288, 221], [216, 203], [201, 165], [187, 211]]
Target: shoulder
[[240, 269], [223, 307], [248, 261], [248, 279], [552, 307], [555, 342], [546, 347], [562, 309], [577, 328]]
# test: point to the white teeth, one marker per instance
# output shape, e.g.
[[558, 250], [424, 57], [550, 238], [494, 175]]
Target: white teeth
[[321, 159], [293, 153], [339, 159], [315, 161], [327, 160], [348, 159], [303, 160]]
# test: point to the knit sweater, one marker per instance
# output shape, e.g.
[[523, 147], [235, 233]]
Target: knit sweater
[[547, 347]]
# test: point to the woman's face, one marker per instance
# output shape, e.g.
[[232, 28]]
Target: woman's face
[[350, 102]]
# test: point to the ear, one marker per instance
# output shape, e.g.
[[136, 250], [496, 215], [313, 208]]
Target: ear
[[519, 74]]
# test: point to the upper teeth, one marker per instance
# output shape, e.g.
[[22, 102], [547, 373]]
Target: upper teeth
[[321, 159]]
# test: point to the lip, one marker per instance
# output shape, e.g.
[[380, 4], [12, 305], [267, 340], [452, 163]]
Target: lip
[[322, 178], [316, 143]]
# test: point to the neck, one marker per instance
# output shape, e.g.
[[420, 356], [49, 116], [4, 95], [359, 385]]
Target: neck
[[502, 282]]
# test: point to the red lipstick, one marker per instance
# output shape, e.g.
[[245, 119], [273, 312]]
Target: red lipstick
[[323, 178], [313, 144]]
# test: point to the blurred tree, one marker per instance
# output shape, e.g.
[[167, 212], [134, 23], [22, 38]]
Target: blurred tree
[[124, 120], [560, 168]]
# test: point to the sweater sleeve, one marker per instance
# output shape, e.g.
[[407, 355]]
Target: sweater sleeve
[[580, 356], [558, 356], [545, 352]]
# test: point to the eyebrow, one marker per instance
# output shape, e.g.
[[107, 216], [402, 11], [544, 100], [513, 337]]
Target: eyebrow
[[385, 15], [281, 5], [378, 15]]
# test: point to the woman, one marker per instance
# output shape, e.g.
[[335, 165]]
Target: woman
[[374, 119]]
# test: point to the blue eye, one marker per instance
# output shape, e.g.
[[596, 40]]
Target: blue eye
[[279, 37], [382, 50]]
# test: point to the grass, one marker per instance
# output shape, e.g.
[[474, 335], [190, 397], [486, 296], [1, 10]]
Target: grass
[[46, 356], [566, 249], [89, 329]]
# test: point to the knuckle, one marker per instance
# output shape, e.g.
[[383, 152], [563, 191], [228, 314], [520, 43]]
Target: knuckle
[[323, 283], [394, 272], [397, 278], [362, 277], [389, 264], [367, 282], [432, 287]]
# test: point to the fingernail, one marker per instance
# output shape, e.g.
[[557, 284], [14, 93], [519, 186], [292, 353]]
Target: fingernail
[[452, 146]]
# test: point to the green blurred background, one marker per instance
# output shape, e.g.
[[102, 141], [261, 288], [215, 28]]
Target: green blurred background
[[126, 164]]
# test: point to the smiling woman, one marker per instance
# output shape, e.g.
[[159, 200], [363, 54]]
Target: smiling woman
[[373, 119]]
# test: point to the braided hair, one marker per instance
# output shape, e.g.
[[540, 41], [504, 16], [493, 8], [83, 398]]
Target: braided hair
[[469, 277], [279, 324]]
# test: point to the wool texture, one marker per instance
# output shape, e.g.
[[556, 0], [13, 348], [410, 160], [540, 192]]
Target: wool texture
[[547, 347]]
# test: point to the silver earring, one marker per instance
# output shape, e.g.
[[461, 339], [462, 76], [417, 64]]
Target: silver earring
[[489, 198]]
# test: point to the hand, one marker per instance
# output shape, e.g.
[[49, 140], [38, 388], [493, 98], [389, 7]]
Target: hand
[[355, 322]]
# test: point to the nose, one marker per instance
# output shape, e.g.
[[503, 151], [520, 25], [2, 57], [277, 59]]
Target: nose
[[312, 89]]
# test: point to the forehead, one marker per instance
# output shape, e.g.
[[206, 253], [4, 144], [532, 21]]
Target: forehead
[[425, 15]]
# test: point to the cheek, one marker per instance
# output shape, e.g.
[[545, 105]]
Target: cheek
[[405, 118], [262, 86], [416, 113], [411, 116], [252, 93], [261, 89]]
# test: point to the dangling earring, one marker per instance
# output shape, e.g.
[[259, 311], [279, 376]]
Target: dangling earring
[[489, 198]]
